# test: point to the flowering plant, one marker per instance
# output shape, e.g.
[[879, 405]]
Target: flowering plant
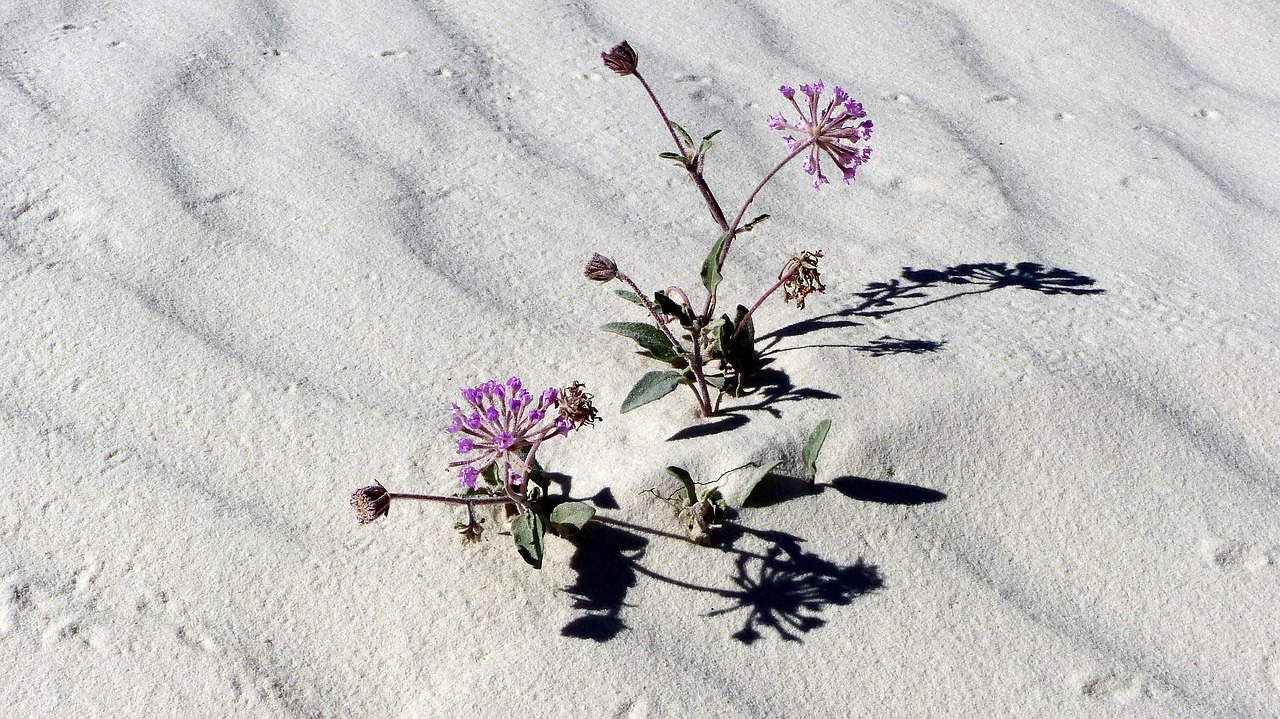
[[701, 338], [498, 430]]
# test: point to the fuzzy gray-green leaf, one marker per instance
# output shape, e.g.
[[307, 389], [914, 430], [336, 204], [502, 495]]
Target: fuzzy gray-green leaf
[[528, 530], [653, 386], [647, 336], [743, 492], [569, 518], [812, 447], [629, 296], [711, 266]]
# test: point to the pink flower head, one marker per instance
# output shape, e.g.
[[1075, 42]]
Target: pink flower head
[[835, 130], [498, 423]]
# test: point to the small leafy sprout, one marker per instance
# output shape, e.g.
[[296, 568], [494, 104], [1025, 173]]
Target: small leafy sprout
[[701, 512], [705, 511], [813, 447]]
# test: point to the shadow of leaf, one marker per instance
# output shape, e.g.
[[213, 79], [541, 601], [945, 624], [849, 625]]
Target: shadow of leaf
[[875, 490]]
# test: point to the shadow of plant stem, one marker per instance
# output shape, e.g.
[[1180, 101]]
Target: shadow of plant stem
[[783, 588], [896, 295]]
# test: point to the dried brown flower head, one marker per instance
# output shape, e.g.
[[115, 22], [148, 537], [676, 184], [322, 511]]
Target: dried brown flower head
[[620, 58], [575, 405], [600, 268], [371, 503], [800, 278]]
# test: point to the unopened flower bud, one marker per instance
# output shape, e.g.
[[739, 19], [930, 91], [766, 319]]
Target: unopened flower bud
[[371, 503], [620, 58], [600, 268]]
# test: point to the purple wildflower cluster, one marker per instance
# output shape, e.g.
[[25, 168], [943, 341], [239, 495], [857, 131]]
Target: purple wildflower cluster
[[498, 420], [834, 132]]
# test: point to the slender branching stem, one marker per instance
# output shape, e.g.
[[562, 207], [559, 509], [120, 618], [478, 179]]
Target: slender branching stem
[[665, 120], [693, 167], [695, 363], [737, 220], [781, 281], [704, 396], [452, 500]]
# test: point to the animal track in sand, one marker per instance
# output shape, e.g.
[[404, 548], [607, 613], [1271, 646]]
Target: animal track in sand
[[1063, 116], [1117, 687], [633, 709], [1003, 99], [50, 615], [1209, 113], [393, 53], [1228, 555]]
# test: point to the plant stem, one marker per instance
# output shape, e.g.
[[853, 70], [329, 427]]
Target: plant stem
[[781, 281], [695, 363], [657, 318], [451, 500], [737, 220], [665, 120], [694, 168]]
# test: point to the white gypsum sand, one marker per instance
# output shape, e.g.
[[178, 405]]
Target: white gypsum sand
[[250, 250]]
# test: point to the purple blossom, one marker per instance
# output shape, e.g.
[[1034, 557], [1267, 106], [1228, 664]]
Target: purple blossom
[[500, 423], [834, 131]]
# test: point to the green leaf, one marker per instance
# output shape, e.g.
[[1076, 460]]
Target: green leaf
[[678, 159], [528, 530], [629, 296], [710, 135], [747, 227], [672, 308], [653, 386], [711, 266], [649, 337], [743, 492], [690, 490], [490, 475], [688, 141], [812, 447], [567, 519]]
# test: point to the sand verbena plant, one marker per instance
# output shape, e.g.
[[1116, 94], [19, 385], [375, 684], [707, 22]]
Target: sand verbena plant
[[706, 351]]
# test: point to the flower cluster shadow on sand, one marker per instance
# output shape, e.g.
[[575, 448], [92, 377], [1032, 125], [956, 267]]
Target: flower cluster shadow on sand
[[776, 586]]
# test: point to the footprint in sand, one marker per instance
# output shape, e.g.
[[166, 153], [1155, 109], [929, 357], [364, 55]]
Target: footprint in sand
[[1236, 554], [1116, 687]]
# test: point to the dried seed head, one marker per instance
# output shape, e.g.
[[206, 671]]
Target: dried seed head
[[620, 58], [600, 268], [575, 405], [371, 503], [802, 278]]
